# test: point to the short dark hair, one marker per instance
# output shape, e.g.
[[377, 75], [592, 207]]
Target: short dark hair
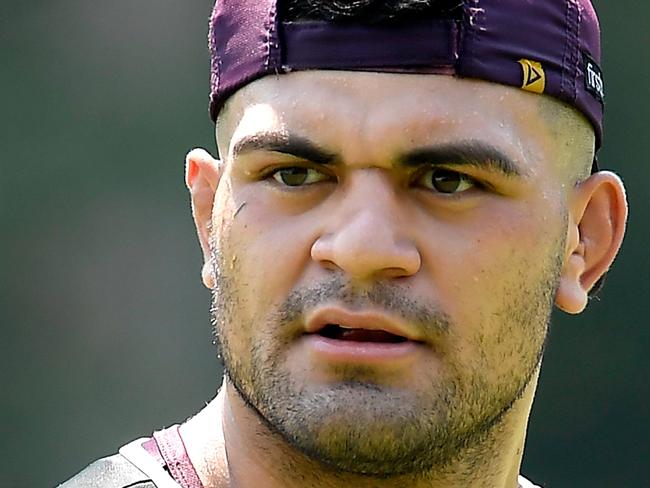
[[369, 11]]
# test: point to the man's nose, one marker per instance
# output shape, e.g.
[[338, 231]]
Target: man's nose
[[367, 236]]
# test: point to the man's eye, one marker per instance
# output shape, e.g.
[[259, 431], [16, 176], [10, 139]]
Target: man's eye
[[298, 176], [446, 181]]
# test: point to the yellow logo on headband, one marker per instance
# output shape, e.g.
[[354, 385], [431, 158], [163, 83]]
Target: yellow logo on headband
[[534, 76]]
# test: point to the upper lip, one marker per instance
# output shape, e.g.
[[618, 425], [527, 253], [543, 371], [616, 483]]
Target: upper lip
[[368, 320]]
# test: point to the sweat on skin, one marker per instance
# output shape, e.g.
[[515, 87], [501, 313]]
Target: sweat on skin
[[364, 230]]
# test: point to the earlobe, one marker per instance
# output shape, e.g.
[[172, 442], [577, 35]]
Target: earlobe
[[202, 175], [597, 217], [207, 275], [571, 296]]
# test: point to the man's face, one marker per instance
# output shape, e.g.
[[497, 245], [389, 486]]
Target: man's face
[[430, 208]]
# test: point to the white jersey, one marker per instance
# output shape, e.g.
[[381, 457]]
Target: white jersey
[[524, 483]]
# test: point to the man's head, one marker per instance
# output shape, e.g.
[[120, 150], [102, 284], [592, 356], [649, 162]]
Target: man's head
[[385, 250]]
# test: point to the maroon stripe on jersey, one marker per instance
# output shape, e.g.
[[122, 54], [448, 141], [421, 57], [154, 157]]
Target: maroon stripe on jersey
[[172, 449]]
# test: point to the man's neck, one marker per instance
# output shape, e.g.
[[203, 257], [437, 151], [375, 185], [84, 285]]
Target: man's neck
[[231, 446]]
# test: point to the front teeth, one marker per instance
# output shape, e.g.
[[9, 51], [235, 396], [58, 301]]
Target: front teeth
[[343, 326]]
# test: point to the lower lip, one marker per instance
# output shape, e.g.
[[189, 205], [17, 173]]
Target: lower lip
[[360, 352]]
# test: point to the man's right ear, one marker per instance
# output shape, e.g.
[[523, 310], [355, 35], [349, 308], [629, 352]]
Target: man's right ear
[[202, 174]]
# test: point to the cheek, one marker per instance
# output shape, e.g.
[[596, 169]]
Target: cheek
[[493, 259], [493, 278], [268, 252]]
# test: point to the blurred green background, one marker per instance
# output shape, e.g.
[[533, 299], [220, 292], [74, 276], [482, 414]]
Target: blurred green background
[[105, 330]]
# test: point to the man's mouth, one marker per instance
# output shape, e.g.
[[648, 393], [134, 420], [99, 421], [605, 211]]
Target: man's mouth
[[341, 333], [359, 326], [336, 335]]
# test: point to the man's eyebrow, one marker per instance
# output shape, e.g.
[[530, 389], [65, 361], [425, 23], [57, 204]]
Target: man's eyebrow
[[477, 154], [287, 144]]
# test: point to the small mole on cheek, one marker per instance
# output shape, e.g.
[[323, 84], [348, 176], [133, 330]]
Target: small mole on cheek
[[239, 209]]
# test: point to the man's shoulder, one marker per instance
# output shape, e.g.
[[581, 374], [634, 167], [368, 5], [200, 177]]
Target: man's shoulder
[[110, 472]]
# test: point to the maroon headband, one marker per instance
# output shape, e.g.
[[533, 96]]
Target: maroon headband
[[542, 46]]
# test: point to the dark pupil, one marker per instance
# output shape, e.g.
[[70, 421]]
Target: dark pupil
[[293, 176], [445, 181]]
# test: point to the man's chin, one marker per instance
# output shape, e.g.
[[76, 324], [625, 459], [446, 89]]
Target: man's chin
[[357, 427], [350, 439]]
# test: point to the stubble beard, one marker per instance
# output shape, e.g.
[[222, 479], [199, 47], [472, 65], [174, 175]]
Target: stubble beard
[[357, 426]]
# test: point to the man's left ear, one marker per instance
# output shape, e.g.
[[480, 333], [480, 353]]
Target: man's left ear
[[597, 216]]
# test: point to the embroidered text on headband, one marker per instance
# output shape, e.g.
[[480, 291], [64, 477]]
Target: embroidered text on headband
[[542, 46]]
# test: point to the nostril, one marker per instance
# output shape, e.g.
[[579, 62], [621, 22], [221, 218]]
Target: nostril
[[329, 265]]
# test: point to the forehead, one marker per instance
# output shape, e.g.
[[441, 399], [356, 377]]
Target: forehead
[[365, 114]]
